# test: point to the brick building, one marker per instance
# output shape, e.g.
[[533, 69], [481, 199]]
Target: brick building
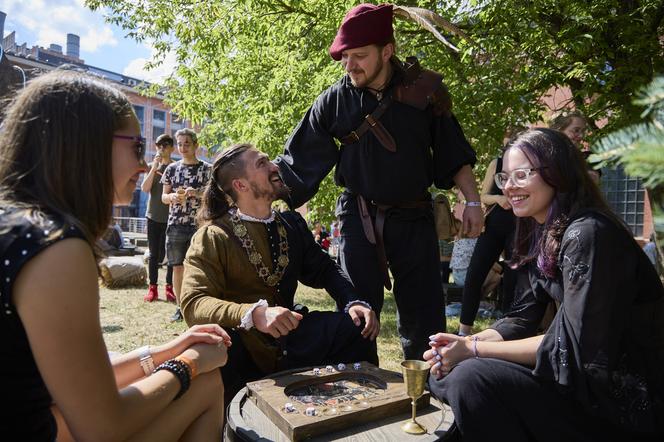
[[19, 63], [625, 194]]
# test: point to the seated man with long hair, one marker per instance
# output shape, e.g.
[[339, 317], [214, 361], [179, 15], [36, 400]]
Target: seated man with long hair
[[243, 268]]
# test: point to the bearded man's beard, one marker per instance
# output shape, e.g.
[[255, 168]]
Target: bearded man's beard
[[369, 78], [278, 192]]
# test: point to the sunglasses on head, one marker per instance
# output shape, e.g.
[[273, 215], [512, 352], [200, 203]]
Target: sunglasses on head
[[139, 144]]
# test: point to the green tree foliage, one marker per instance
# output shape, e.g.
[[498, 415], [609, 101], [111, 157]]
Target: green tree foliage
[[639, 148], [249, 69]]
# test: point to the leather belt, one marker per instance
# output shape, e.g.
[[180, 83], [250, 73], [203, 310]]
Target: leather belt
[[374, 232]]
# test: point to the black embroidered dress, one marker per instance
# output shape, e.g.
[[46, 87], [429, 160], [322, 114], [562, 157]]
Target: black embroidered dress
[[601, 359]]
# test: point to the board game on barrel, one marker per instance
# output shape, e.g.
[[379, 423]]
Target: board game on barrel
[[316, 400]]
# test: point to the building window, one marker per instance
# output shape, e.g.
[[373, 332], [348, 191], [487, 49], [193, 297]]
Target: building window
[[158, 123], [625, 195], [159, 117], [140, 114], [156, 131]]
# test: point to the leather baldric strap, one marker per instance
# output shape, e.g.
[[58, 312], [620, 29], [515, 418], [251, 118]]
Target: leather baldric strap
[[372, 122], [374, 232], [420, 89]]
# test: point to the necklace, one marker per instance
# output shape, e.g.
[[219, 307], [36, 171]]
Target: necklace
[[255, 258], [380, 92]]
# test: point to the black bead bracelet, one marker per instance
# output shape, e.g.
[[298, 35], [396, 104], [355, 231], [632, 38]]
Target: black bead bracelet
[[181, 371]]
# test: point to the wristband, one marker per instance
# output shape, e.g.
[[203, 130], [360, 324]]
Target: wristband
[[145, 359], [473, 204], [474, 339]]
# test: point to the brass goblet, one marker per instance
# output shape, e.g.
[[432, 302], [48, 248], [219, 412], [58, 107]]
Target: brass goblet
[[414, 376]]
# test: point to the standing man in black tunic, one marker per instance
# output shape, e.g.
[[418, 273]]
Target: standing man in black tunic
[[398, 137]]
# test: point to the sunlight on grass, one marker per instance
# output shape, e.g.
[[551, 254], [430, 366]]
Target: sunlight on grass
[[129, 323]]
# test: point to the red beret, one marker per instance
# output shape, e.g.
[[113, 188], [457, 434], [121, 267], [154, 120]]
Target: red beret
[[363, 25]]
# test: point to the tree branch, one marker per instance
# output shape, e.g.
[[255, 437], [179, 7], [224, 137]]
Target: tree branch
[[289, 8], [657, 19]]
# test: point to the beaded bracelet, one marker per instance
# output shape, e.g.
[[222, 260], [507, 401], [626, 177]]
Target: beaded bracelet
[[181, 371], [474, 339]]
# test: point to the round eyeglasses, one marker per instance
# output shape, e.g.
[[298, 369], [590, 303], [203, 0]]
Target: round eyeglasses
[[520, 177]]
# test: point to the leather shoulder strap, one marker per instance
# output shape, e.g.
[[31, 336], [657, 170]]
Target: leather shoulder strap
[[371, 122]]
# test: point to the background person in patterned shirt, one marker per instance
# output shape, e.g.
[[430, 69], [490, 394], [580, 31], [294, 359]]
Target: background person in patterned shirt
[[183, 183]]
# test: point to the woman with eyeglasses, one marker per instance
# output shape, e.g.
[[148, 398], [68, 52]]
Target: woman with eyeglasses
[[596, 374], [70, 148], [575, 125]]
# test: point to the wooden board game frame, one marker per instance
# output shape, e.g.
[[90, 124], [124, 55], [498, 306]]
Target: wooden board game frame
[[272, 393]]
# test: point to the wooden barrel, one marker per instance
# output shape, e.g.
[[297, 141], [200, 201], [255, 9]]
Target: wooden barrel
[[246, 422]]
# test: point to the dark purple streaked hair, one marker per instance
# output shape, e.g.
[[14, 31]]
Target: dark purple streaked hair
[[566, 171]]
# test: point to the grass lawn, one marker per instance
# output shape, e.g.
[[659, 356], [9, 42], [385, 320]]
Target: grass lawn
[[129, 323]]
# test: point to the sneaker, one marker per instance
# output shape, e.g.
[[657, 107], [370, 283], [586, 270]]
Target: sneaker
[[152, 294], [170, 295], [177, 316]]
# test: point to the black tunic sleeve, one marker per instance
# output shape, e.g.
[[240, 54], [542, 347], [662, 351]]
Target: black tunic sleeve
[[309, 155], [451, 150], [594, 349], [320, 271], [528, 308]]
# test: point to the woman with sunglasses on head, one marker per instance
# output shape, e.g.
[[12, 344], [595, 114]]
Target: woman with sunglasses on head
[[596, 372], [70, 148]]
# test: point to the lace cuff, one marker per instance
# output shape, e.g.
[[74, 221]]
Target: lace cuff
[[247, 321], [356, 302]]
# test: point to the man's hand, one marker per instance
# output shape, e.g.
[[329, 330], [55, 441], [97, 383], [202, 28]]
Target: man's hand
[[473, 217], [275, 321], [191, 192], [156, 161], [473, 221], [371, 323]]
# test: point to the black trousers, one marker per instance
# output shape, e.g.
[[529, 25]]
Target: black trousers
[[494, 399], [321, 338], [445, 271], [157, 247], [497, 236], [411, 246]]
